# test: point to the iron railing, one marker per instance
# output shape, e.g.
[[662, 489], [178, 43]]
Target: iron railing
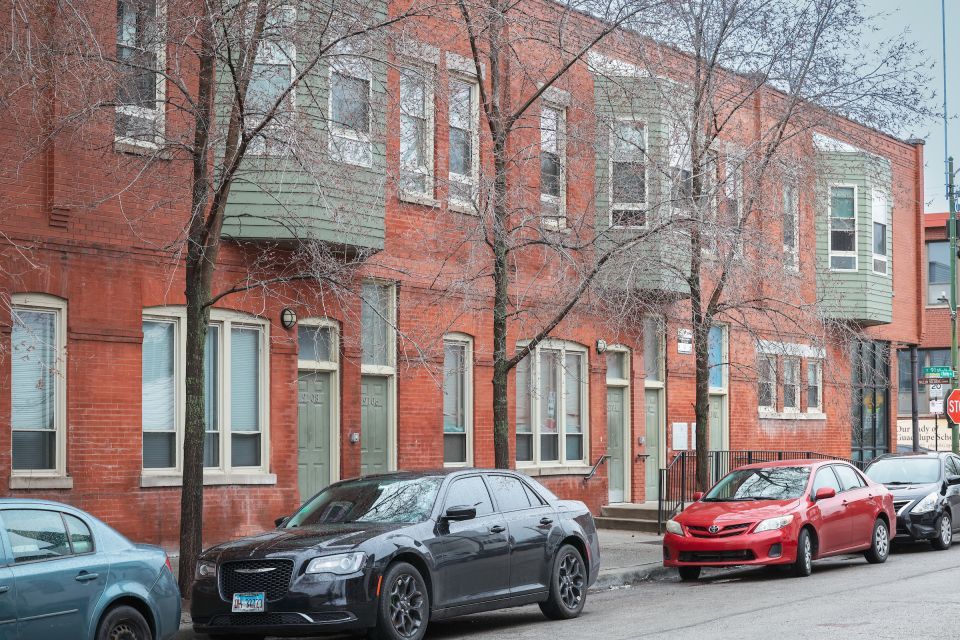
[[678, 481]]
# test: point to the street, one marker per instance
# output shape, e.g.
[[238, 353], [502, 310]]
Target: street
[[912, 595]]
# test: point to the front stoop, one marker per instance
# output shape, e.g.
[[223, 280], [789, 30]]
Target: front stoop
[[629, 517]]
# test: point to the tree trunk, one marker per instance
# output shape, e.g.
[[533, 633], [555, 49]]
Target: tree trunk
[[501, 423], [701, 334]]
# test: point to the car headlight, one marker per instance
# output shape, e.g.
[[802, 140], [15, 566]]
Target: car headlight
[[928, 504], [772, 524], [674, 527], [206, 569], [340, 564]]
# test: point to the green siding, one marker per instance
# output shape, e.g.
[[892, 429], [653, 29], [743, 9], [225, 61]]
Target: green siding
[[860, 296]]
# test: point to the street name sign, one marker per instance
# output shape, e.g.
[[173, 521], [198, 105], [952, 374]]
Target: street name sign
[[938, 372]]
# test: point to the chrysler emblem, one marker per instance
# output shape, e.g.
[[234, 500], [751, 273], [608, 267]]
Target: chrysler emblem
[[257, 570], [713, 528]]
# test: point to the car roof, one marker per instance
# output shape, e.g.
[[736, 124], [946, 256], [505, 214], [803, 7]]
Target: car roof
[[432, 473], [22, 502], [915, 454], [798, 462]]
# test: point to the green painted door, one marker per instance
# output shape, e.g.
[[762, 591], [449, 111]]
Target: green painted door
[[615, 445], [718, 423], [652, 465], [374, 424], [314, 441]]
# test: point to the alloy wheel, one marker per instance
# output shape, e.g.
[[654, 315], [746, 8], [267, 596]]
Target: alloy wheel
[[946, 531], [123, 631], [406, 606], [880, 540], [571, 581], [807, 553]]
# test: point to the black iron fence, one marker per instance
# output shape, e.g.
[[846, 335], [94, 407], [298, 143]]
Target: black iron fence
[[678, 481]]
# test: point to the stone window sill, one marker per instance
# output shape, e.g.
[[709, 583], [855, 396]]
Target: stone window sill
[[566, 470], [41, 482], [418, 198], [776, 415], [148, 480]]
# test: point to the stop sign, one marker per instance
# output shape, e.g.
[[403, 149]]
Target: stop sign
[[953, 406]]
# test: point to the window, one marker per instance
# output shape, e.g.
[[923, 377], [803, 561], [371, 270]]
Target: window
[[791, 385], [925, 358], [870, 369], [376, 325], [274, 70], [814, 386], [38, 384], [140, 91], [551, 421], [681, 173], [843, 228], [879, 206], [767, 383], [315, 343], [790, 227], [617, 367], [35, 534], [653, 350], [236, 407], [469, 492], [849, 479], [826, 478], [733, 188], [509, 493], [464, 146], [938, 273], [416, 130], [350, 112], [553, 170], [717, 360], [628, 174], [457, 401], [80, 537]]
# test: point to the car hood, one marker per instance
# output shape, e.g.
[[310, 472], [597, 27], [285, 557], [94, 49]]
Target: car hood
[[332, 537], [727, 513], [912, 491]]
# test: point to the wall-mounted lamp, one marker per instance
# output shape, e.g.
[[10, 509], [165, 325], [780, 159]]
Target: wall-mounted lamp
[[601, 345], [288, 318]]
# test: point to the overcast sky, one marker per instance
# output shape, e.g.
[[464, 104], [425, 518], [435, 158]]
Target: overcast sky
[[922, 19]]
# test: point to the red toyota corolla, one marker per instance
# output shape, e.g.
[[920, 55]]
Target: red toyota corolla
[[790, 512]]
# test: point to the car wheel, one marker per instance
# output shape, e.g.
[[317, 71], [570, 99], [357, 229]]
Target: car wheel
[[404, 607], [944, 533], [879, 543], [123, 623], [568, 585], [803, 565], [689, 574]]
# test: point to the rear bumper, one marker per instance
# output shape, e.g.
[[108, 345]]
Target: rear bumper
[[769, 547]]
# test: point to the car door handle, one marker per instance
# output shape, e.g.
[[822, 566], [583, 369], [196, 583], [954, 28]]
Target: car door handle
[[83, 576], [4, 588], [497, 529], [546, 521]]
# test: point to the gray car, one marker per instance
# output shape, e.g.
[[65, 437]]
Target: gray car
[[64, 575]]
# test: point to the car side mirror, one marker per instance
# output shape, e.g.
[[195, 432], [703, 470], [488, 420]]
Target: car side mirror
[[953, 480], [282, 520], [461, 512], [823, 493], [697, 495]]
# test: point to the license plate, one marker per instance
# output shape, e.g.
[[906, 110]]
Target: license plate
[[248, 602]]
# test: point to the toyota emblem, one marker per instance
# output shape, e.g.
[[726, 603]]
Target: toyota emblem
[[713, 528]]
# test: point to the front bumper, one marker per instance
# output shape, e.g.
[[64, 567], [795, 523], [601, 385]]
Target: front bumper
[[314, 605], [918, 527], [769, 547]]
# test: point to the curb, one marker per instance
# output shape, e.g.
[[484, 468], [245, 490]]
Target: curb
[[629, 576]]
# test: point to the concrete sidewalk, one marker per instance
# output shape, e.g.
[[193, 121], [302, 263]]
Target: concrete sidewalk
[[628, 557]]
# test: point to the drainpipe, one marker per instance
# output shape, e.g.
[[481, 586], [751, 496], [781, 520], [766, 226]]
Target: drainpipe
[[915, 397]]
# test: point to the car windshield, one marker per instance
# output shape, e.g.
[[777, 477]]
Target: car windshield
[[773, 483], [386, 500], [905, 470]]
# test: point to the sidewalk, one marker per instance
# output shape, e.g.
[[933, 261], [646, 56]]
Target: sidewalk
[[627, 558]]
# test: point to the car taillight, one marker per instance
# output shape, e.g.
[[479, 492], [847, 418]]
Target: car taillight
[[167, 562]]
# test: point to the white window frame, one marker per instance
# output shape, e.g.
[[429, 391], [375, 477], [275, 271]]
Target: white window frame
[[46, 303], [770, 359], [797, 383], [388, 370], [559, 221], [792, 254], [880, 213], [267, 54], [818, 363], [331, 366], [428, 71], [926, 273], [644, 157], [226, 472], [158, 115], [473, 180], [563, 346], [179, 322], [357, 69], [724, 360], [856, 229], [466, 341]]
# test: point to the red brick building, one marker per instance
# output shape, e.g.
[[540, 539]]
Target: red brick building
[[92, 387]]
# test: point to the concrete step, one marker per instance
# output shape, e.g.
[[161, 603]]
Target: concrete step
[[644, 511], [627, 524]]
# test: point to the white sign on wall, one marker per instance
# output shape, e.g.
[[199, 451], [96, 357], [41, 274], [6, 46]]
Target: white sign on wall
[[679, 436], [936, 405], [684, 340]]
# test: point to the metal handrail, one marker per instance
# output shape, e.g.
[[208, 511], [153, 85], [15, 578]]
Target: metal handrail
[[593, 471]]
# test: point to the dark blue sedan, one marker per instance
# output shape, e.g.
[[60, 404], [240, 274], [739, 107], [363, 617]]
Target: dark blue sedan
[[64, 575]]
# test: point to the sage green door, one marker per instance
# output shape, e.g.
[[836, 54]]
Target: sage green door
[[615, 444], [374, 424], [652, 464], [718, 422], [314, 436]]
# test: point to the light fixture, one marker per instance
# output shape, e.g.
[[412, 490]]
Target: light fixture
[[601, 345], [288, 318]]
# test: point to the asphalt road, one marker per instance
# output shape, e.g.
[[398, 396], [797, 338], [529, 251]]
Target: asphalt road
[[915, 594]]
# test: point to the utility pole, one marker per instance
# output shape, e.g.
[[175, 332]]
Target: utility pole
[[952, 201]]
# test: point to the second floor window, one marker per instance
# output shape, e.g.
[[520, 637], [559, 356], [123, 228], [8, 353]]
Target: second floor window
[[552, 166], [464, 154], [350, 113], [790, 227], [791, 384], [273, 72], [879, 206], [416, 131], [938, 272], [628, 175], [140, 91], [843, 228], [767, 382]]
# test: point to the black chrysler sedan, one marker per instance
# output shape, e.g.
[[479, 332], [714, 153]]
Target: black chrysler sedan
[[926, 494], [388, 553]]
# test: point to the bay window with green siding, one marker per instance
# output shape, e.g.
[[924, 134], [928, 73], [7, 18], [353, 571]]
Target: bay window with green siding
[[843, 228]]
